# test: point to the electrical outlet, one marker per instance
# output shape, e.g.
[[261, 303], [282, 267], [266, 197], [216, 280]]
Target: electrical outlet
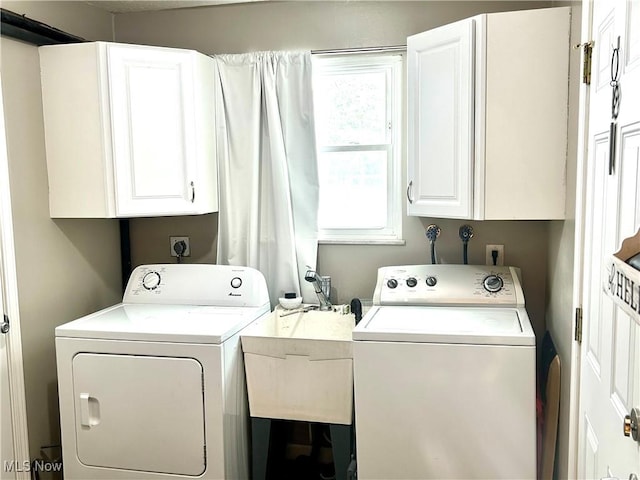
[[174, 240], [489, 256]]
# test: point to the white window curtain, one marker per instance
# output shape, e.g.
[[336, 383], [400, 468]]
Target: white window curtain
[[268, 171]]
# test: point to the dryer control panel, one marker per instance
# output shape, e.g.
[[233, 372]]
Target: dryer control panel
[[197, 284], [448, 285]]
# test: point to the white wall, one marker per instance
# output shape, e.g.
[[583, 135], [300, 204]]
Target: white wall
[[280, 25], [326, 25], [66, 268]]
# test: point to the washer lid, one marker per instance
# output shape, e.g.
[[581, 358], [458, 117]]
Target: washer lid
[[163, 323], [462, 325]]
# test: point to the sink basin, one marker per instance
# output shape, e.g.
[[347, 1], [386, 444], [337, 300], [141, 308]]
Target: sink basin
[[299, 366]]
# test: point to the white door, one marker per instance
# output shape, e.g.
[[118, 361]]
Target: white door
[[440, 123], [610, 352], [6, 428], [14, 454], [153, 122]]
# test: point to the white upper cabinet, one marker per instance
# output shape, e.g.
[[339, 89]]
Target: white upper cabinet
[[129, 130], [487, 117]]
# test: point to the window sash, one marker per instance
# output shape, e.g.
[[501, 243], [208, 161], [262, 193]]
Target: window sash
[[391, 66]]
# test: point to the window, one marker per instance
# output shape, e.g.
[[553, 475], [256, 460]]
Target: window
[[357, 116]]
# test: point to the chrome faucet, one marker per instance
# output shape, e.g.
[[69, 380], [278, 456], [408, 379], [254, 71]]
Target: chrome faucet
[[318, 282]]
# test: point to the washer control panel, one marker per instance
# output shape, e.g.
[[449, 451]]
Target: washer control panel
[[493, 283], [448, 285]]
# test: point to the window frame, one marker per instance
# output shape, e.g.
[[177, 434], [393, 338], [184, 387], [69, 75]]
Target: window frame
[[392, 63]]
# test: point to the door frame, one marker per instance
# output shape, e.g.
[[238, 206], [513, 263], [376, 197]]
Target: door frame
[[9, 292], [578, 258]]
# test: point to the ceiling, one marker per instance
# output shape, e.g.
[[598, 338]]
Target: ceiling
[[125, 6]]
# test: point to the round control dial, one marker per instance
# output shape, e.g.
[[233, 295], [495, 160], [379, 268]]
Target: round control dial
[[431, 281], [411, 282], [236, 282], [493, 283], [151, 280], [392, 283]]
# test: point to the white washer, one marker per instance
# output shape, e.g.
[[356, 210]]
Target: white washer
[[154, 387], [444, 376]]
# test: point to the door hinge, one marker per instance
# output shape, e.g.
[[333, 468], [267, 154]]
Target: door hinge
[[587, 52], [578, 331], [4, 327]]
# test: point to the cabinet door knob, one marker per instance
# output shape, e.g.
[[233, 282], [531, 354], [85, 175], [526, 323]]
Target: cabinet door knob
[[409, 191], [193, 192]]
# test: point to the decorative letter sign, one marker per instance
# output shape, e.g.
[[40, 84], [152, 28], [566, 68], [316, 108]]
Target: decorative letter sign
[[622, 280]]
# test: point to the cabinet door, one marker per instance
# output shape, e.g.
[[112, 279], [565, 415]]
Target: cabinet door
[[440, 122], [153, 123]]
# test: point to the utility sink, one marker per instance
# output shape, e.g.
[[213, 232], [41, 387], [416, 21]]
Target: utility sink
[[299, 366]]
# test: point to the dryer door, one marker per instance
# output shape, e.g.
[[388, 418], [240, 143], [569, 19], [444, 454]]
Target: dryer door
[[139, 413]]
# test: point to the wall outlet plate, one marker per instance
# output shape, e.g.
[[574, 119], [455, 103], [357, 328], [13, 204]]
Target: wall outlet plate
[[174, 240], [489, 257]]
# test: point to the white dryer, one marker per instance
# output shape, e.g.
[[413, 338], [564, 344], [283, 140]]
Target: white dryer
[[444, 376], [154, 387]]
